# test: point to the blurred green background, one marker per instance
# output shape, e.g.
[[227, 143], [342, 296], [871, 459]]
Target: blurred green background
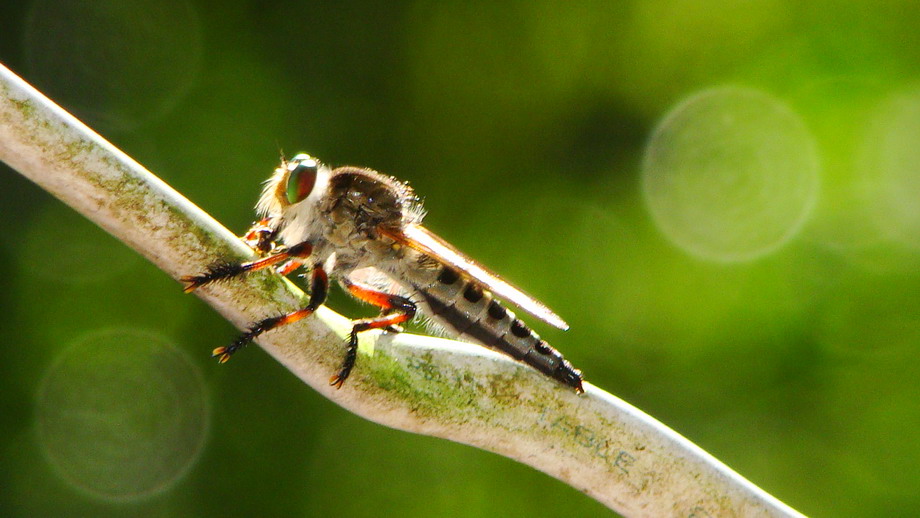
[[722, 198]]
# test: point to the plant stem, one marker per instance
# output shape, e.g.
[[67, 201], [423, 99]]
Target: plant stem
[[595, 442]]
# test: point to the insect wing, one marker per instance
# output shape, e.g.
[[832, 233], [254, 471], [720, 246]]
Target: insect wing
[[423, 240]]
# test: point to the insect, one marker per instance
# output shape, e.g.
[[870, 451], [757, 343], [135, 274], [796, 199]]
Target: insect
[[363, 229]]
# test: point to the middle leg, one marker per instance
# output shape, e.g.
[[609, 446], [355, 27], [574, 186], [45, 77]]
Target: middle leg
[[319, 287]]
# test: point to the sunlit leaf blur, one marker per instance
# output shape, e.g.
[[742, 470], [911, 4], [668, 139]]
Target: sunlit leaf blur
[[722, 198]]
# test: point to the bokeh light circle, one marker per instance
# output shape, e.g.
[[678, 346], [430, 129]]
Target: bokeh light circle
[[110, 61], [730, 174], [122, 414]]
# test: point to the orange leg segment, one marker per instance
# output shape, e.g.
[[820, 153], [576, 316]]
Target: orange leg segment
[[404, 310], [371, 296], [288, 267]]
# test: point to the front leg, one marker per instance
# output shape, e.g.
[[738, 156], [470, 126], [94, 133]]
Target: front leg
[[222, 271]]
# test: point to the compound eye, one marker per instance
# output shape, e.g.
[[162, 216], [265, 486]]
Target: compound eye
[[301, 179]]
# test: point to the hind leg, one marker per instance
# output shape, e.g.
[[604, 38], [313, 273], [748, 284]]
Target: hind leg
[[396, 310]]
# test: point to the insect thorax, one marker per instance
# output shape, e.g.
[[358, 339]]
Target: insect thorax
[[360, 201]]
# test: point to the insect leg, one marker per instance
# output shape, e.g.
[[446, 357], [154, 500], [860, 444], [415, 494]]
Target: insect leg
[[319, 287], [288, 267], [220, 271], [402, 310]]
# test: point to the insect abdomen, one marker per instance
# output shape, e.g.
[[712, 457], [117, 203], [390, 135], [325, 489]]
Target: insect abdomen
[[462, 306]]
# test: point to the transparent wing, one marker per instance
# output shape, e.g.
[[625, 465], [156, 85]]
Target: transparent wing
[[425, 241]]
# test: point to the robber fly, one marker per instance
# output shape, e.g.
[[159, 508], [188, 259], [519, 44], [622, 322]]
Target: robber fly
[[364, 229]]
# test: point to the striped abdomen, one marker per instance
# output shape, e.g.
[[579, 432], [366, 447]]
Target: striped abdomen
[[462, 306]]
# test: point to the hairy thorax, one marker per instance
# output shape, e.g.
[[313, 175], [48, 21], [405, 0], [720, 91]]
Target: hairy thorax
[[360, 203]]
